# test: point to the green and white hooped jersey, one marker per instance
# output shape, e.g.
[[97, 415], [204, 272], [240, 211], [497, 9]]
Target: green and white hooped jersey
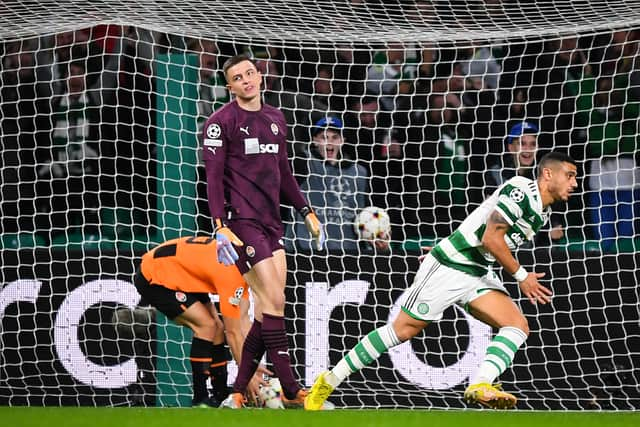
[[518, 200]]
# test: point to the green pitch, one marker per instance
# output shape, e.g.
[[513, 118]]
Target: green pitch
[[158, 417]]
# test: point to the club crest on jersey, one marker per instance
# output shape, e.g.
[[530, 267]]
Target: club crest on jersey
[[181, 297], [214, 131], [274, 128], [423, 308], [237, 295], [251, 252], [517, 195]]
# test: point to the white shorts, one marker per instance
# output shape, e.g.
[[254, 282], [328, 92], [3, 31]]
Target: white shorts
[[436, 287]]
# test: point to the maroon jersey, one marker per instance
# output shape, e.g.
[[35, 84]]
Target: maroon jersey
[[245, 154]]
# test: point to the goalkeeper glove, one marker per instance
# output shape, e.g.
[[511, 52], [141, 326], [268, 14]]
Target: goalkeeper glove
[[225, 239], [314, 226]]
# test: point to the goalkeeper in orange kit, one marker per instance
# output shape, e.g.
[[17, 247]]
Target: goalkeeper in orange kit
[[176, 278], [248, 176]]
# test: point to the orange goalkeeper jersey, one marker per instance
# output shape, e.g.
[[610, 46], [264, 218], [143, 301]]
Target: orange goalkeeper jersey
[[190, 264]]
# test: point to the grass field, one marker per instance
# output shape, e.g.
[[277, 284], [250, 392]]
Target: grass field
[[152, 417]]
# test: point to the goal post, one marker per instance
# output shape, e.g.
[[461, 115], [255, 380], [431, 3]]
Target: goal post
[[101, 111]]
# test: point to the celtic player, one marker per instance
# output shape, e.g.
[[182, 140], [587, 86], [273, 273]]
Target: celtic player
[[459, 270]]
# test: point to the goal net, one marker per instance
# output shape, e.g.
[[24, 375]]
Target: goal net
[[438, 102]]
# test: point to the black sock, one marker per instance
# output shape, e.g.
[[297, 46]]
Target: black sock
[[218, 371], [200, 361]]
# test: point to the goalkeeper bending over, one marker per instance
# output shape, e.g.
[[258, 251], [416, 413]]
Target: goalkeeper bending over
[[458, 270], [177, 277]]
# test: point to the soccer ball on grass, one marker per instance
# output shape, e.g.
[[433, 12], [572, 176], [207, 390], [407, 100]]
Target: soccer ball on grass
[[270, 395]]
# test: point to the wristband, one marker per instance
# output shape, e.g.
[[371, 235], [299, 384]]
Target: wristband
[[305, 210], [520, 274]]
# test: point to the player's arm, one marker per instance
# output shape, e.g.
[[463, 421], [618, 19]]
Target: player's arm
[[291, 194], [493, 240], [214, 155]]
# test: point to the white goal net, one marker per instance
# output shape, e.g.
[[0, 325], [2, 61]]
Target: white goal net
[[101, 109]]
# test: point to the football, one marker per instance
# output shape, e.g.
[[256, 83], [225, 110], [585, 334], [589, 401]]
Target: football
[[270, 395], [372, 223]]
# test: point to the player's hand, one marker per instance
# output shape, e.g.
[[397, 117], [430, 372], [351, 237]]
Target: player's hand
[[262, 370], [225, 239], [314, 226], [258, 379], [382, 243], [426, 250], [253, 388], [557, 232], [533, 290]]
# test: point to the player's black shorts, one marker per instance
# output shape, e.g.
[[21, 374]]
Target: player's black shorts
[[171, 303]]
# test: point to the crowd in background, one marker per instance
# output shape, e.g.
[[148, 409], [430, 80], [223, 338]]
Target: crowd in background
[[425, 123]]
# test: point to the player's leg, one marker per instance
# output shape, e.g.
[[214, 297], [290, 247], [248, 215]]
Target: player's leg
[[252, 349], [423, 302], [219, 357], [186, 309], [271, 278], [198, 318], [498, 310], [369, 349]]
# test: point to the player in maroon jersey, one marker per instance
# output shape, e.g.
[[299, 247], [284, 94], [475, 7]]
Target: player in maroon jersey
[[248, 175]]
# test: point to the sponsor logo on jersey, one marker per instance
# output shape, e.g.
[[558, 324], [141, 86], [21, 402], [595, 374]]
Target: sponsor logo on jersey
[[253, 146], [237, 295], [244, 129], [214, 131], [181, 296], [274, 128], [517, 238], [517, 195], [251, 252]]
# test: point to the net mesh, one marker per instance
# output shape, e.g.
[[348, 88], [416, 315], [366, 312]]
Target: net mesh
[[102, 111]]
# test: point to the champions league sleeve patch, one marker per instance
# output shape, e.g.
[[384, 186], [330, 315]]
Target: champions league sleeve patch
[[517, 195], [213, 133]]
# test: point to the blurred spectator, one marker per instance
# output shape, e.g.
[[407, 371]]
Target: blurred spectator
[[324, 93], [127, 128], [212, 94], [66, 47], [381, 148], [520, 160], [614, 176], [297, 117], [366, 126], [212, 89], [68, 171], [24, 114], [350, 69], [449, 149], [578, 89], [337, 188], [301, 109], [481, 68], [392, 64]]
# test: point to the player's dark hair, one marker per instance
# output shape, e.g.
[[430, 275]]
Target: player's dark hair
[[235, 60], [554, 157]]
